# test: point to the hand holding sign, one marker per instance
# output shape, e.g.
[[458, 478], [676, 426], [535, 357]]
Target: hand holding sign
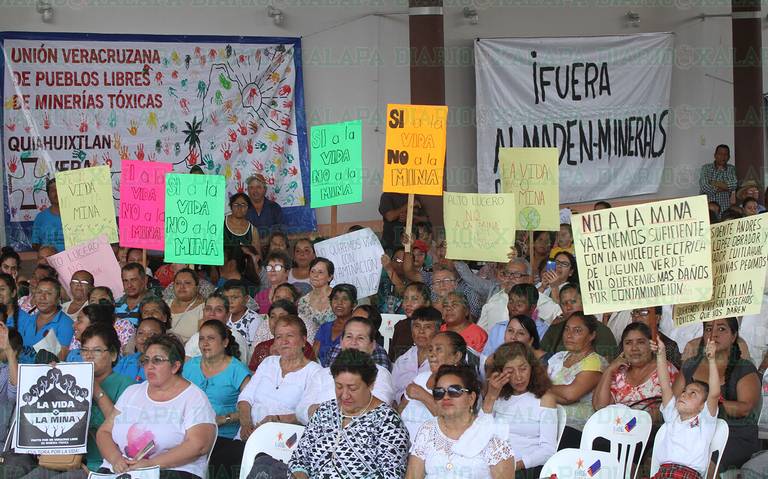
[[87, 206]]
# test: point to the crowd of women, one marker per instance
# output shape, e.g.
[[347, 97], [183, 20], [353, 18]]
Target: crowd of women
[[190, 362]]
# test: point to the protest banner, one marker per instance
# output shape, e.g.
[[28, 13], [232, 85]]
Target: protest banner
[[602, 101], [739, 260], [53, 407], [479, 227], [356, 258], [231, 105], [414, 158], [142, 204], [86, 204], [143, 473], [96, 257], [194, 218], [337, 163], [644, 255], [531, 174]]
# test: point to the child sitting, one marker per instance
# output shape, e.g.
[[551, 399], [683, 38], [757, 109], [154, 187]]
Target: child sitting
[[563, 242], [683, 445]]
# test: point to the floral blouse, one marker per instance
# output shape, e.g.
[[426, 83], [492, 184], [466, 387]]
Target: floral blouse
[[307, 313], [625, 393]]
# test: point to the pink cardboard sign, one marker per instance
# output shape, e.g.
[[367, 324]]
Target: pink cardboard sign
[[142, 204], [94, 256]]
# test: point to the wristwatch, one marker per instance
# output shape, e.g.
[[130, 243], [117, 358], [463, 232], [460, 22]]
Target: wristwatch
[[100, 395], [227, 419]]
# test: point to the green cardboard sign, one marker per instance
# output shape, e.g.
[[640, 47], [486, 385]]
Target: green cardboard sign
[[337, 164], [194, 219]]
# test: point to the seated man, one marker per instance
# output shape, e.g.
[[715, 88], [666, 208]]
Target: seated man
[[360, 334], [522, 301]]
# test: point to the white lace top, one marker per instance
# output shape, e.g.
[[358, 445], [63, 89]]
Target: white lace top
[[469, 457]]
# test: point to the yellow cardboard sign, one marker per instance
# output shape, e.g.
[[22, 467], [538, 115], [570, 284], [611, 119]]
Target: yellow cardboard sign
[[86, 204], [739, 260], [644, 255], [479, 227], [532, 175], [414, 156]]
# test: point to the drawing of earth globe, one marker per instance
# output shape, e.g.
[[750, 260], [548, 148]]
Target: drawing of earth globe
[[529, 218]]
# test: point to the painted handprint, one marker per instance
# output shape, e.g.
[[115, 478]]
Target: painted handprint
[[79, 155], [285, 121], [232, 119], [254, 126], [201, 89], [112, 119], [249, 146], [107, 159], [226, 151], [134, 128], [214, 119], [124, 153], [232, 135], [117, 140], [140, 152], [159, 78], [152, 120], [13, 165], [284, 90], [184, 104], [218, 97], [46, 121], [192, 158]]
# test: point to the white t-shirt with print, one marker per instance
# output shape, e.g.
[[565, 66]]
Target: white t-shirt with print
[[685, 442], [141, 419]]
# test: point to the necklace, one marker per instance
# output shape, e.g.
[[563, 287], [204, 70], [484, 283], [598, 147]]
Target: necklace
[[449, 465], [353, 416]]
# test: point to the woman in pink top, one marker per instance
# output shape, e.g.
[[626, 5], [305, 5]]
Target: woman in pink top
[[456, 318]]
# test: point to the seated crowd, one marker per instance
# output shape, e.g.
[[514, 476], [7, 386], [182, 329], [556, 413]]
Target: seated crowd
[[188, 363]]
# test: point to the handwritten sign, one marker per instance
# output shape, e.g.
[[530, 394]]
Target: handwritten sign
[[194, 218], [53, 407], [414, 159], [96, 257], [531, 174], [356, 257], [644, 255], [479, 227], [337, 164], [86, 203], [142, 204], [739, 260]]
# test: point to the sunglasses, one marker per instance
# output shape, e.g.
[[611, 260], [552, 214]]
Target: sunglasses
[[276, 268], [454, 391]]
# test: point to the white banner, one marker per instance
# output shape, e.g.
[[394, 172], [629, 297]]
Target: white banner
[[356, 259], [53, 407], [603, 101]]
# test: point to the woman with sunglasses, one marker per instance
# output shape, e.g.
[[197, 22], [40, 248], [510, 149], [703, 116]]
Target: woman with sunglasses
[[222, 378], [518, 398], [355, 434], [458, 443], [417, 406], [278, 268], [164, 422]]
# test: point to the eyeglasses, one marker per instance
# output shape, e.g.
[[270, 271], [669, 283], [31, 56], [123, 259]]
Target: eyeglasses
[[563, 264], [239, 205], [511, 274], [438, 282], [95, 352], [454, 391], [398, 260], [640, 312], [276, 268], [155, 360], [79, 281]]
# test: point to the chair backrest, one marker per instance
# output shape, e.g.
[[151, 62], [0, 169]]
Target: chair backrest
[[579, 463], [624, 428], [387, 328], [562, 417], [273, 438], [717, 445], [210, 452], [762, 420]]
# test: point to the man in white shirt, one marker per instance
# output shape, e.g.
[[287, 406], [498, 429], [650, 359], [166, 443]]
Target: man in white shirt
[[424, 325], [360, 334]]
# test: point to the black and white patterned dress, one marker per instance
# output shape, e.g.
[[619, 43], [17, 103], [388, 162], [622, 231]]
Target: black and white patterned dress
[[374, 445]]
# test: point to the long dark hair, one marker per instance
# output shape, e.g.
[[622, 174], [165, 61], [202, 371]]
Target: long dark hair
[[459, 344], [232, 349], [734, 355], [574, 277]]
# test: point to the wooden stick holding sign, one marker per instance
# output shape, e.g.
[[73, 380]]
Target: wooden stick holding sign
[[654, 326], [409, 223], [530, 248], [334, 220]]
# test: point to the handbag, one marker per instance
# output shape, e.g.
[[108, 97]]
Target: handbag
[[61, 462]]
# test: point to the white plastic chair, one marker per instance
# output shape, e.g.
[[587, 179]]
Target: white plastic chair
[[387, 328], [624, 428], [570, 463], [562, 417], [273, 438], [717, 445]]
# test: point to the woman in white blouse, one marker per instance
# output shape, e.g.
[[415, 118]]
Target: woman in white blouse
[[524, 411], [279, 382], [458, 443]]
